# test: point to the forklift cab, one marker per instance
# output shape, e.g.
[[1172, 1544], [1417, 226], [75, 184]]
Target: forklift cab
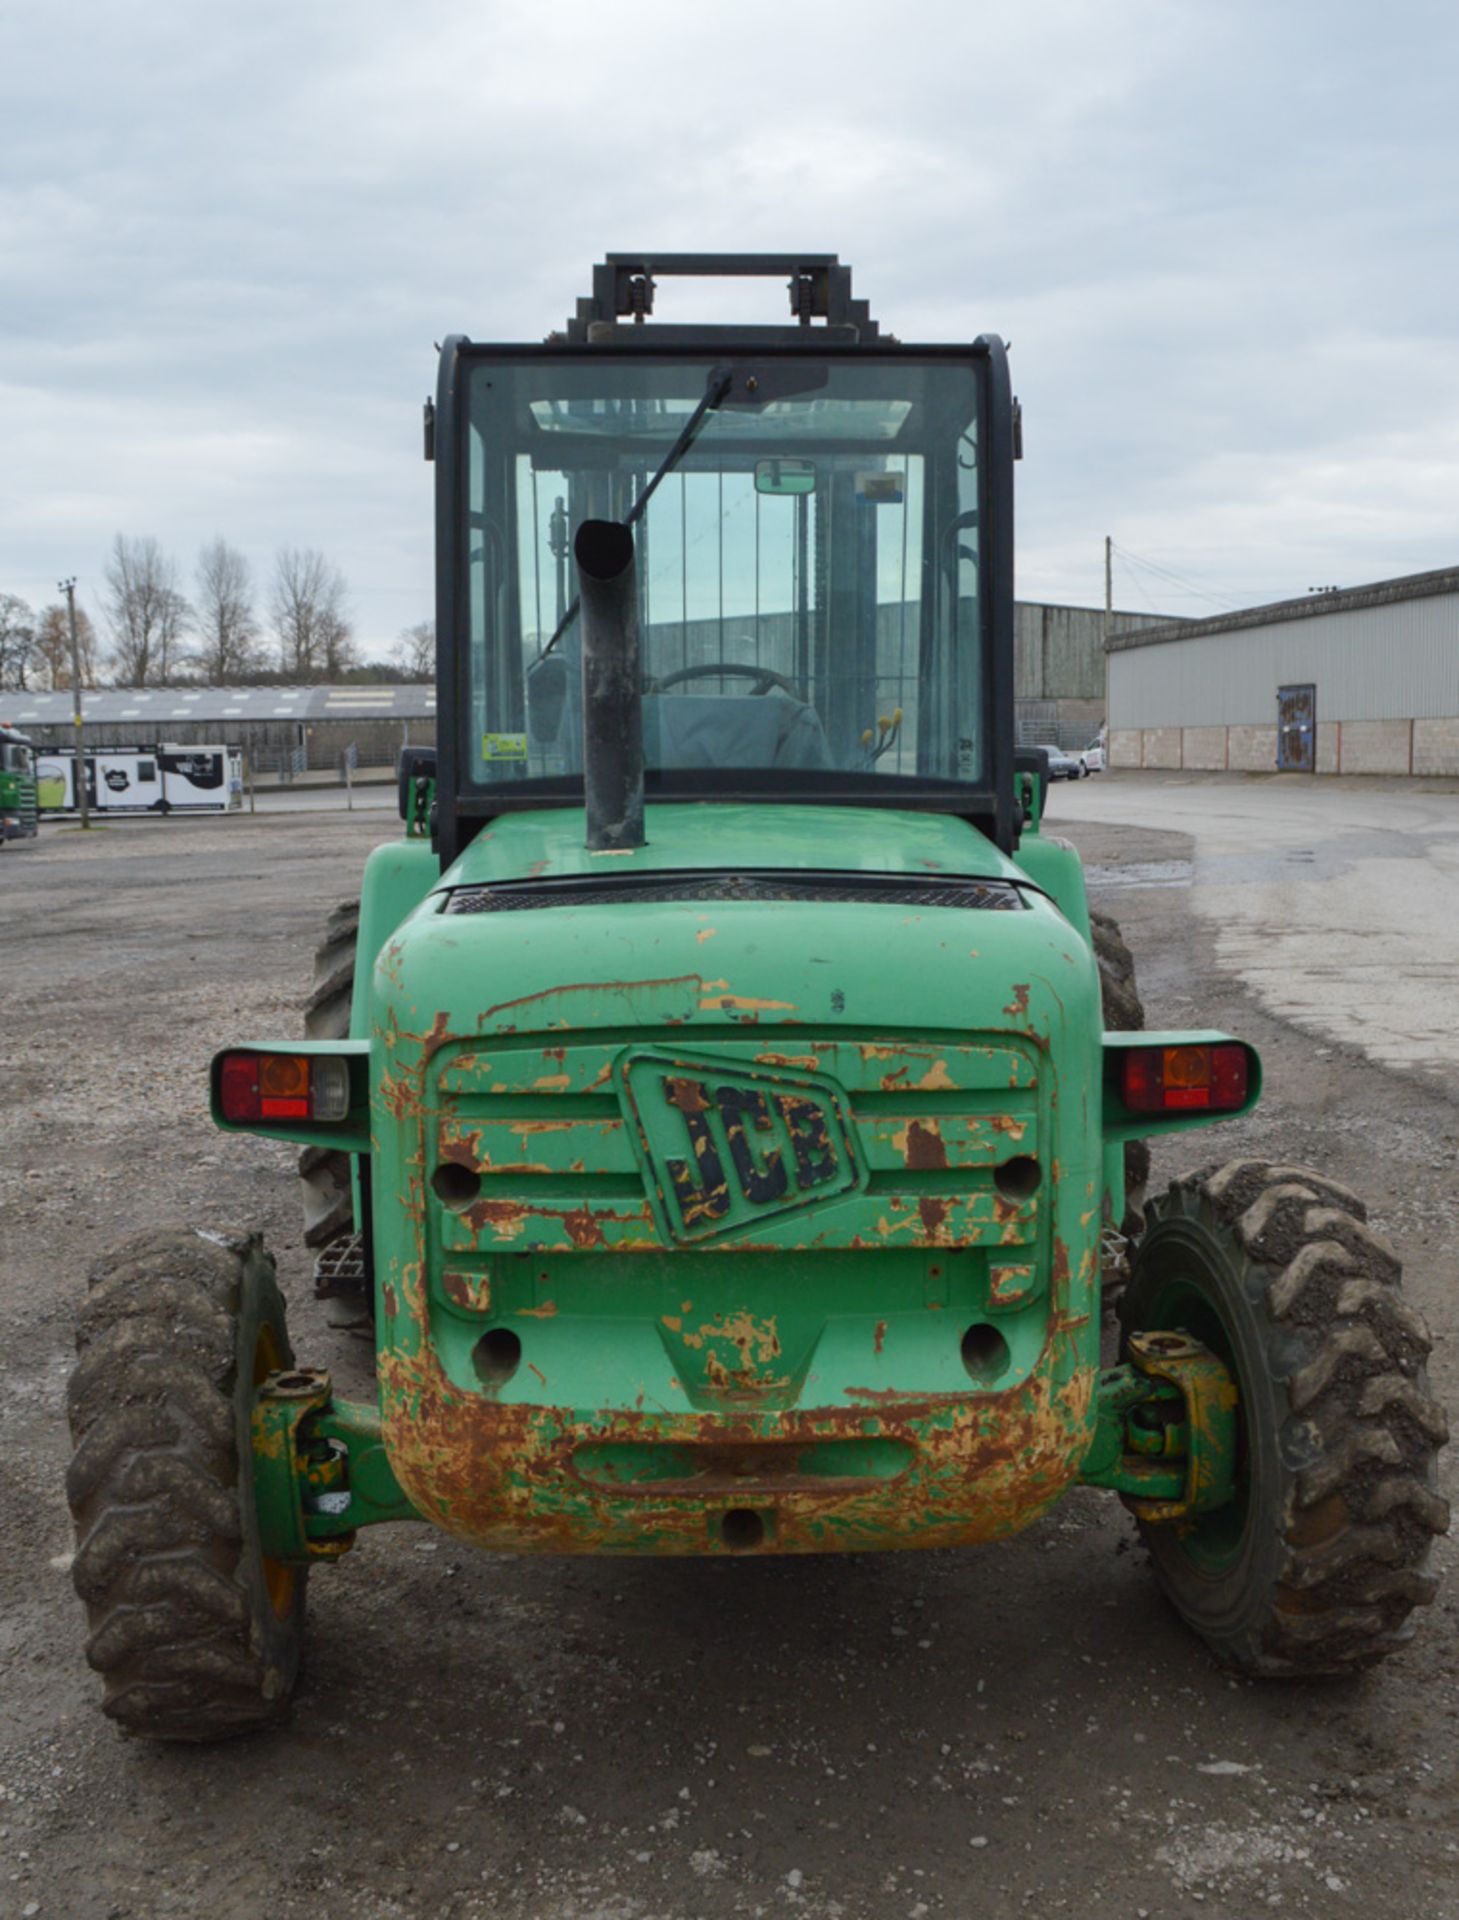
[[822, 522]]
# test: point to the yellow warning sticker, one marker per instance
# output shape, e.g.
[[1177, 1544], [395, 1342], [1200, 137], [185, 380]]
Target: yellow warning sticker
[[504, 746]]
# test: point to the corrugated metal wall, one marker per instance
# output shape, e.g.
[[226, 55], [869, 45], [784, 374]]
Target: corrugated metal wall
[[1393, 662], [1058, 652]]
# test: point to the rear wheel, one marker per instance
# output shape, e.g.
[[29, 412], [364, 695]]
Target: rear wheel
[[1124, 1012], [1316, 1565], [324, 1171], [341, 1267], [196, 1634]]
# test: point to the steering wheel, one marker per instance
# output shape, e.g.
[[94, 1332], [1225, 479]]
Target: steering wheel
[[764, 677]]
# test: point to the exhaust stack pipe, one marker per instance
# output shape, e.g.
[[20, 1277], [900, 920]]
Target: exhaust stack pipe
[[612, 713]]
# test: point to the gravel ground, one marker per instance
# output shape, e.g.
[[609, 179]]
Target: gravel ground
[[1021, 1729]]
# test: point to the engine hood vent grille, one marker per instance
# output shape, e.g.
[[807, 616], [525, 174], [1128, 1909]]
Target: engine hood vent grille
[[966, 891]]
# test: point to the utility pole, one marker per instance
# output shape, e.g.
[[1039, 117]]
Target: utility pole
[[68, 587], [1109, 612]]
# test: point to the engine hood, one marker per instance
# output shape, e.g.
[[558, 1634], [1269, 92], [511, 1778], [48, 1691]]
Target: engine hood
[[562, 1046], [549, 844]]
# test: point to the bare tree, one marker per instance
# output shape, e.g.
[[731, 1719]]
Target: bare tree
[[17, 643], [148, 615], [53, 648], [227, 627], [338, 642], [414, 657], [307, 608]]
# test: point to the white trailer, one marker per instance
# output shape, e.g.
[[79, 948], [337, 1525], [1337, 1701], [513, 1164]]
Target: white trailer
[[167, 778]]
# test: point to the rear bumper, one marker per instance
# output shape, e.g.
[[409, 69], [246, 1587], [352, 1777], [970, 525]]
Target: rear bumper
[[896, 1472]]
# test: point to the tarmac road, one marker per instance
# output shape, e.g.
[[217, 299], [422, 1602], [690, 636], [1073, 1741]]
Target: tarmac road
[[1024, 1729], [1336, 901]]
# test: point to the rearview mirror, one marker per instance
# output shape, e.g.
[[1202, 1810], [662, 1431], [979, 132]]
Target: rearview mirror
[[785, 476]]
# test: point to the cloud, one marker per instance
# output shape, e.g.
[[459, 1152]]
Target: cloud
[[1218, 238]]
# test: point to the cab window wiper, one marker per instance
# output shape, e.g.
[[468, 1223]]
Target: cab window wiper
[[719, 383]]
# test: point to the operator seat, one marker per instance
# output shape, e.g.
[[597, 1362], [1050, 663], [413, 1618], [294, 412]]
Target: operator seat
[[771, 729]]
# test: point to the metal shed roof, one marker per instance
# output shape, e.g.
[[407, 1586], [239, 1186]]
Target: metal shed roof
[[159, 706], [1381, 593]]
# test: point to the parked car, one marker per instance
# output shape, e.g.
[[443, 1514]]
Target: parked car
[[1064, 766], [1092, 758]]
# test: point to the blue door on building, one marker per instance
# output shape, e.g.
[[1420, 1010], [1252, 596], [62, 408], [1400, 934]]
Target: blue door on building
[[1297, 729]]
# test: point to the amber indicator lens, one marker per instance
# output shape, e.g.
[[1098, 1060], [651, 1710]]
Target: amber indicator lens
[[1209, 1079], [283, 1086]]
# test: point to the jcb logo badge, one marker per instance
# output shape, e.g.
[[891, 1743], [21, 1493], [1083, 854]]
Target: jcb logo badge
[[728, 1144]]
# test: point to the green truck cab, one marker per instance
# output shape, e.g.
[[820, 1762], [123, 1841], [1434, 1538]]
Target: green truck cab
[[715, 1102], [18, 810]]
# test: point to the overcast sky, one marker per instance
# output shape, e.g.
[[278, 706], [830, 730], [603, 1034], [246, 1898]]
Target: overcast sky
[[1220, 237]]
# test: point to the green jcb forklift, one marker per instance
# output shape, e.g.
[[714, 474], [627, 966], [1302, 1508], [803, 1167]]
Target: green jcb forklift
[[721, 1097]]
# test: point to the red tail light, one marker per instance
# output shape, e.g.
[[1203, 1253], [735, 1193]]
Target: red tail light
[[238, 1094], [1171, 1079], [282, 1086]]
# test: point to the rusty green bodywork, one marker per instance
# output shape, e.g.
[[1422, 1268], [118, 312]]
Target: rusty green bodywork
[[740, 1185], [844, 1296]]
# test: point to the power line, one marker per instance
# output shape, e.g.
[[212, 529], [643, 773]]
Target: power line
[[1165, 573], [1169, 574], [1139, 587]]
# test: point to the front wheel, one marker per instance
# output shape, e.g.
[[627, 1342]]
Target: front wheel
[[195, 1632], [1316, 1564]]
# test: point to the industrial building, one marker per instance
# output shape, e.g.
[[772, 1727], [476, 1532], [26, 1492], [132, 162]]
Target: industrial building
[[1358, 680], [281, 730], [1058, 669]]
